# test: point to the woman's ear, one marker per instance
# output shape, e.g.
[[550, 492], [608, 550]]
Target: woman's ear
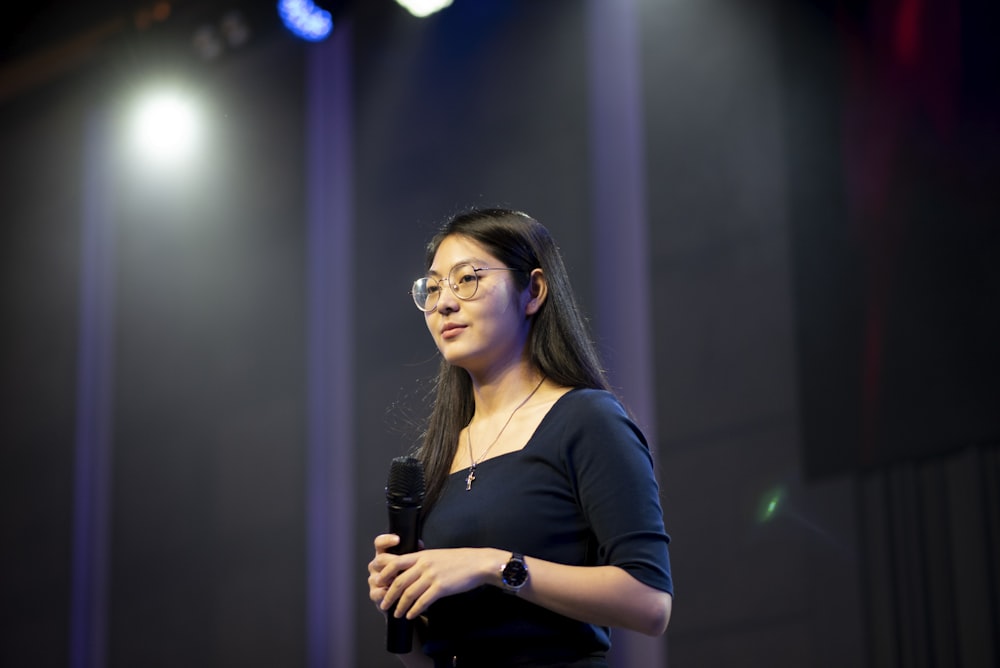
[[538, 290]]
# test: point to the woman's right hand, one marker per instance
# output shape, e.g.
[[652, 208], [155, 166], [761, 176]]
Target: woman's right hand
[[377, 590]]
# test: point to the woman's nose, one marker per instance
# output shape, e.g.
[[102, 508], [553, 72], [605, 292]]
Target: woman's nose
[[447, 302]]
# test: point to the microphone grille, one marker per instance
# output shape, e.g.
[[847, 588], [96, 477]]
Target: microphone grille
[[406, 481]]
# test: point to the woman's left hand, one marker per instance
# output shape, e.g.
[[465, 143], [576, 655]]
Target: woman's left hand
[[420, 578]]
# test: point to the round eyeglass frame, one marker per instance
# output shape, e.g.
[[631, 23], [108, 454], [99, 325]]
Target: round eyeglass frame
[[455, 288]]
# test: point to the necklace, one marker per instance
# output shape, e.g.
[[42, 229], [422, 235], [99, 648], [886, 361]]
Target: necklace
[[472, 469]]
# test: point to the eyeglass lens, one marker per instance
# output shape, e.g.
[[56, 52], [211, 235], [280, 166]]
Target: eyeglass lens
[[463, 282]]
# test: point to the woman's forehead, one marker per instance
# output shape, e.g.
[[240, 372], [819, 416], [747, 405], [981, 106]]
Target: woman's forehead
[[456, 250]]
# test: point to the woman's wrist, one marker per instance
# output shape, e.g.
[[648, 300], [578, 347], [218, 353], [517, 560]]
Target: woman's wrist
[[493, 562]]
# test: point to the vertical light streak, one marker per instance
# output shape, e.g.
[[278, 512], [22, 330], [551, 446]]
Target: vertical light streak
[[620, 227], [330, 463], [92, 472]]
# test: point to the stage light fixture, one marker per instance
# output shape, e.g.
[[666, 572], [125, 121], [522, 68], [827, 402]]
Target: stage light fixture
[[422, 8], [305, 20], [166, 127]]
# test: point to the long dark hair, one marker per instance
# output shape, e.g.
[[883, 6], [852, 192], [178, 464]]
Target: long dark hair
[[559, 343]]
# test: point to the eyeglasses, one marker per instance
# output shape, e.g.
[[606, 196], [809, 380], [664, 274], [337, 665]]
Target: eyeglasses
[[463, 279]]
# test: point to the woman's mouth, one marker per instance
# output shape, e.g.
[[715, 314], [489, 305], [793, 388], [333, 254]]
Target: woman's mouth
[[451, 330]]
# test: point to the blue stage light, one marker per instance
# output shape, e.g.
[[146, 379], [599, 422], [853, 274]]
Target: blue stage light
[[304, 19]]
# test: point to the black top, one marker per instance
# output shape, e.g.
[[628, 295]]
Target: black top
[[581, 492]]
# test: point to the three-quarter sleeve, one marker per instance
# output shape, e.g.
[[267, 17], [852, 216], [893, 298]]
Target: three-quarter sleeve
[[611, 470]]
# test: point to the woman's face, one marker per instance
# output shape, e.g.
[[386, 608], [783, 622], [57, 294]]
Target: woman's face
[[487, 332]]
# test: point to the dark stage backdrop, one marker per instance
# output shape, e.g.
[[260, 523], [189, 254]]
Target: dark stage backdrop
[[894, 163], [201, 558], [39, 269], [209, 466]]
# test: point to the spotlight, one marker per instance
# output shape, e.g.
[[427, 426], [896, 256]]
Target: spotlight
[[166, 126], [305, 20], [422, 8]]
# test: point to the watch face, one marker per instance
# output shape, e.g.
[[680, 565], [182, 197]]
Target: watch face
[[515, 573]]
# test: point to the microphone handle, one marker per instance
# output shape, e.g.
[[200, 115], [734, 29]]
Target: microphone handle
[[405, 522]]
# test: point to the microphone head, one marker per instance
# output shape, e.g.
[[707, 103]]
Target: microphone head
[[406, 482]]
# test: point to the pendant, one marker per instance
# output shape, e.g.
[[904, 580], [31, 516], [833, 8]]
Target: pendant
[[469, 478]]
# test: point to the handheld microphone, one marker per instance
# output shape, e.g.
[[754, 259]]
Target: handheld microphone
[[404, 498]]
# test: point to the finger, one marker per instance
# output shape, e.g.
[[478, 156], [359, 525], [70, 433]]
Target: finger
[[391, 566], [397, 580], [428, 590], [378, 564], [377, 594], [392, 592], [409, 595], [387, 569], [385, 541], [375, 582]]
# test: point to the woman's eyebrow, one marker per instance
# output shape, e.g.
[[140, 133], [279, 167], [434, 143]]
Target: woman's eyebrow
[[475, 262]]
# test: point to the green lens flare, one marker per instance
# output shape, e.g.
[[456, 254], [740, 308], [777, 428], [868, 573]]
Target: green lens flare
[[769, 505]]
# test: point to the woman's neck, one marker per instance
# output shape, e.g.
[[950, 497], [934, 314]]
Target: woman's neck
[[498, 394]]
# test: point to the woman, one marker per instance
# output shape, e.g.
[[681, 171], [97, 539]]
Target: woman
[[542, 525]]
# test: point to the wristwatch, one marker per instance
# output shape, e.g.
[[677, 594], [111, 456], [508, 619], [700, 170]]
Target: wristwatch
[[514, 574]]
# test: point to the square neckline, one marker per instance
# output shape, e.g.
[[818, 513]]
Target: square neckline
[[534, 434]]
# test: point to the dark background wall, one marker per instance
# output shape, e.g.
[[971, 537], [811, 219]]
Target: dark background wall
[[822, 299]]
